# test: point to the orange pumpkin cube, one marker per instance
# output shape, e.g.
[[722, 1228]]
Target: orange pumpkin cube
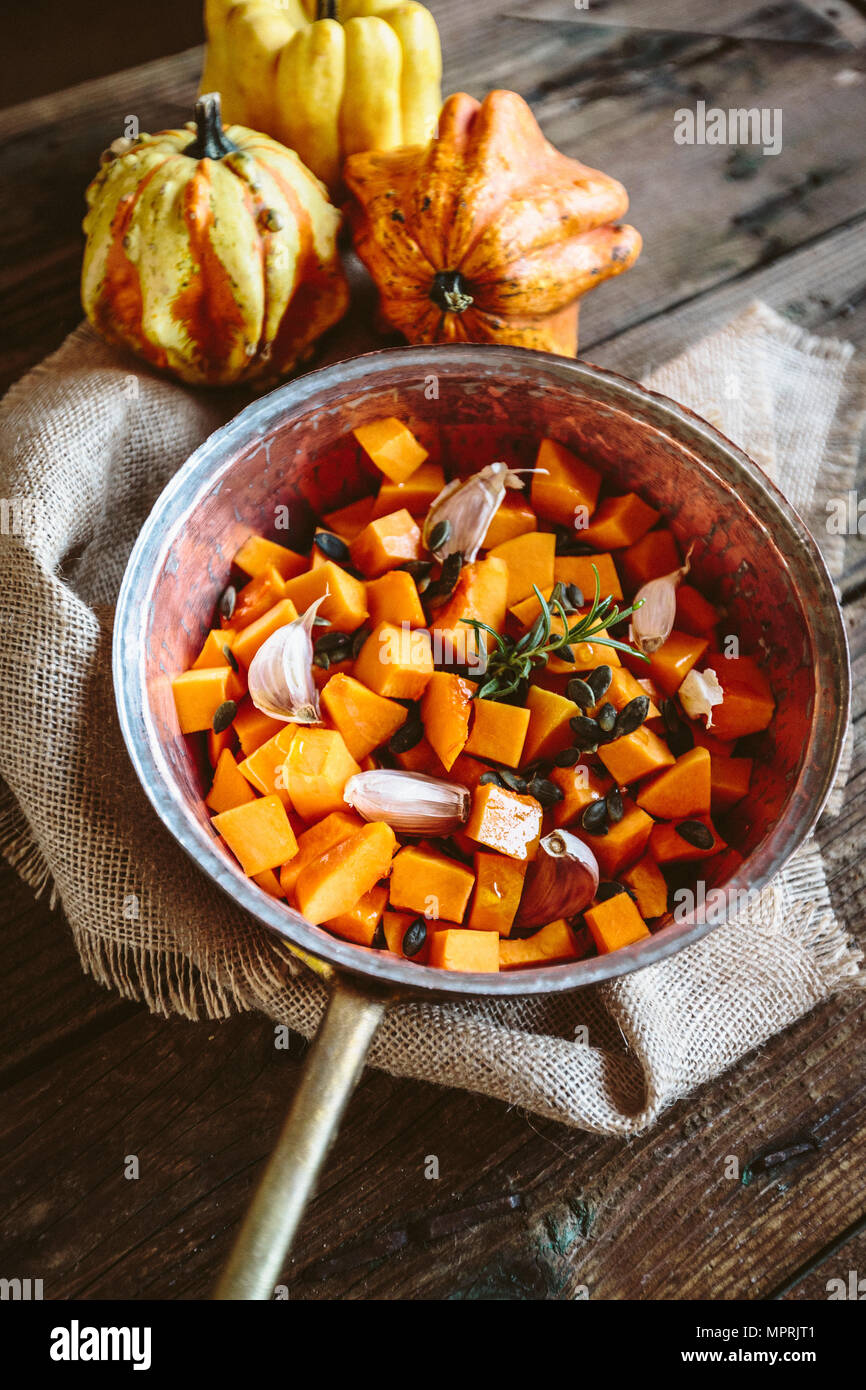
[[417, 493], [198, 695], [480, 593], [729, 781], [316, 770], [446, 707], [316, 841], [468, 771], [345, 607], [474, 952], [229, 788], [581, 570], [553, 944], [623, 688], [498, 731], [585, 655], [263, 769], [648, 885], [529, 560], [392, 447], [395, 926], [365, 720], [654, 555], [615, 923], [748, 706], [360, 922], [254, 728], [332, 884], [670, 665], [255, 598], [395, 662], [567, 488], [422, 758], [624, 842], [505, 821], [668, 846], [269, 883], [549, 729], [247, 642], [619, 522], [393, 598], [580, 785], [256, 555], [348, 522], [385, 543], [213, 653], [635, 755], [498, 887], [681, 790], [513, 517], [694, 613], [258, 834], [425, 881]]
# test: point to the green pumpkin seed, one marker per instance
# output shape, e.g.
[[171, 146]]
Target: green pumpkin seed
[[223, 716], [606, 718], [599, 681], [227, 600], [358, 640], [440, 534], [581, 692], [545, 792], [567, 757], [409, 735], [512, 781], [585, 731], [614, 806], [490, 778], [333, 546], [631, 716], [414, 937], [231, 658], [594, 818], [695, 833]]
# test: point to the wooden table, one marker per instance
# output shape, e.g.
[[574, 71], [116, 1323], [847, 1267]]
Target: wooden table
[[88, 1078]]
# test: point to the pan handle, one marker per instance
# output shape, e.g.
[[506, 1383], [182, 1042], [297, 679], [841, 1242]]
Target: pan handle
[[331, 1072]]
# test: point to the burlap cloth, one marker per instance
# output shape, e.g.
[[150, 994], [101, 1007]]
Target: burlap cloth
[[87, 441]]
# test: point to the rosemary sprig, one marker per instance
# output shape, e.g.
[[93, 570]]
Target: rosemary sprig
[[510, 661]]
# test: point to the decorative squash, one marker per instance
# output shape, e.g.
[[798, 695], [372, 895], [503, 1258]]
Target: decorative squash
[[326, 77], [213, 256], [488, 234]]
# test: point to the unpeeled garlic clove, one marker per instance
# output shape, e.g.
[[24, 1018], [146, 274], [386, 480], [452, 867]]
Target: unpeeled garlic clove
[[280, 678], [561, 880], [653, 622], [410, 802], [699, 693], [468, 505]]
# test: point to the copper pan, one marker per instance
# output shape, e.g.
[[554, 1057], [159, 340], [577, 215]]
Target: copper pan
[[471, 404]]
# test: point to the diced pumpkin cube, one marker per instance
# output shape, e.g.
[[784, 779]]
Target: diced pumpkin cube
[[425, 881], [505, 821], [670, 665], [247, 642], [681, 790], [566, 488], [580, 785], [254, 728], [332, 884], [360, 922], [396, 925], [316, 770], [554, 943], [393, 598], [417, 493], [654, 555], [729, 781], [269, 883], [198, 695], [263, 769], [527, 610], [717, 747], [445, 711], [422, 758], [619, 522], [668, 846], [479, 593], [392, 447], [549, 729], [213, 653], [498, 887], [529, 560], [366, 720], [465, 770], [258, 834], [316, 841], [256, 555], [395, 662], [580, 570], [615, 923], [345, 607], [498, 731], [648, 885], [348, 522], [635, 755], [472, 952], [585, 655], [513, 517], [694, 613], [229, 788], [255, 598], [748, 706], [623, 688], [624, 842], [385, 543]]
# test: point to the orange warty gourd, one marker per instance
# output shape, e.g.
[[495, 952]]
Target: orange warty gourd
[[487, 234]]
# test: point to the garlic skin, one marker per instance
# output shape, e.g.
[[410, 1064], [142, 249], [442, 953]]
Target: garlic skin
[[280, 678], [410, 802], [561, 880], [653, 623], [469, 505], [699, 693]]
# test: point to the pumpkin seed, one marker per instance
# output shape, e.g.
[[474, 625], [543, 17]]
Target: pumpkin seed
[[227, 600], [574, 594], [223, 716], [599, 681], [358, 640], [332, 641], [631, 716], [322, 660], [333, 546], [568, 544], [409, 735], [614, 806], [231, 658], [440, 534], [511, 780], [594, 818], [606, 717], [610, 889], [419, 569], [695, 833], [585, 730], [490, 778], [581, 692], [380, 940], [414, 937], [567, 757], [441, 589], [545, 792]]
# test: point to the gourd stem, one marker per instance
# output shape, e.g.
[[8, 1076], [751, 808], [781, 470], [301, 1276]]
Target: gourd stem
[[450, 291], [211, 141]]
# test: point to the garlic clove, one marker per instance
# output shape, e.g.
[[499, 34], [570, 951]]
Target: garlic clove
[[699, 693], [561, 880], [653, 622], [410, 802], [468, 505], [280, 678]]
